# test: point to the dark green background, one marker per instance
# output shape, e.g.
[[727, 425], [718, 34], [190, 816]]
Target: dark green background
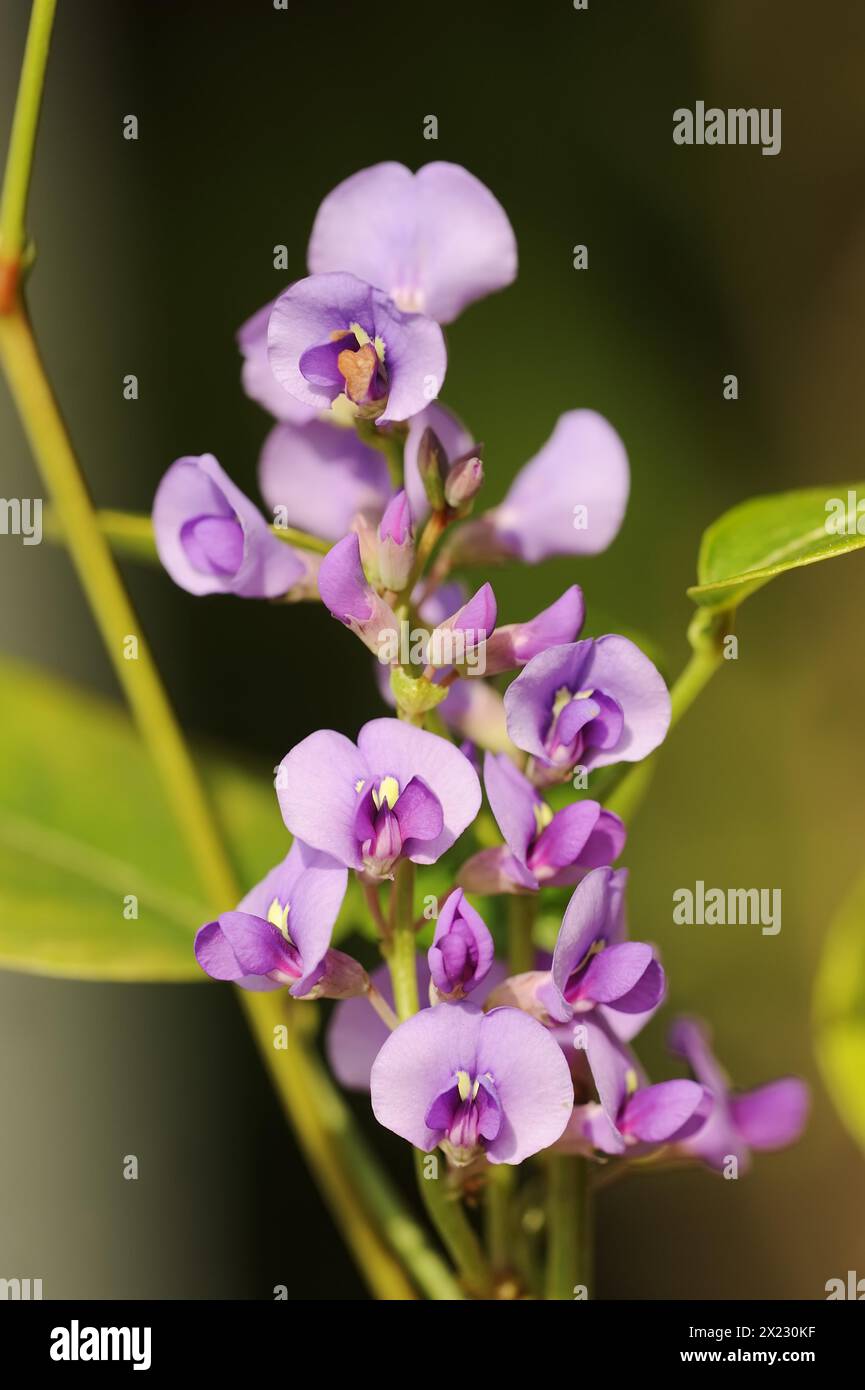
[[702, 261]]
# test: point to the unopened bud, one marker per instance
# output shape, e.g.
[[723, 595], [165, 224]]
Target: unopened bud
[[365, 531], [463, 482], [432, 464], [343, 978], [395, 544]]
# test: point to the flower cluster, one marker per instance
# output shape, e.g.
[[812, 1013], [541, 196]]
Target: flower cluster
[[372, 484]]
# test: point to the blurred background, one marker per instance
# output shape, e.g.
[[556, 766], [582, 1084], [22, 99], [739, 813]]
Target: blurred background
[[702, 262]]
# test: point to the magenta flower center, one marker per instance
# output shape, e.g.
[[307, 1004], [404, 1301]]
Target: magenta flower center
[[468, 1113], [580, 720]]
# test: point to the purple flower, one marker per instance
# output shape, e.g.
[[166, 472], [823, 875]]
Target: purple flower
[[258, 380], [570, 499], [400, 793], [319, 477], [462, 949], [769, 1117], [213, 540], [280, 934], [592, 962], [540, 847], [434, 241], [600, 990], [345, 590], [334, 338], [517, 643], [495, 1083], [356, 1033], [590, 703], [646, 1118]]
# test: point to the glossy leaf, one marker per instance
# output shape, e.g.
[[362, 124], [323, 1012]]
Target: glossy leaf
[[84, 829], [761, 538]]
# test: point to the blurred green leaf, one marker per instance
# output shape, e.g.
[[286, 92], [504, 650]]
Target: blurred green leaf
[[761, 538], [839, 1012], [84, 825]]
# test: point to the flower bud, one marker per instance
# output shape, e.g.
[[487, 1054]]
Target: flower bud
[[343, 978], [462, 950], [432, 465], [367, 538], [464, 481], [396, 544], [521, 992]]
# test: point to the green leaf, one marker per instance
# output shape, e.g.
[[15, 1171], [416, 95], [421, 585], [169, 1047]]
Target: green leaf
[[839, 1012], [84, 825], [761, 538]]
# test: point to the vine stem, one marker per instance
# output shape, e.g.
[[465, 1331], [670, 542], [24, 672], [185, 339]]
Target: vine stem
[[22, 142], [400, 948], [499, 1198], [567, 1226], [445, 1210], [139, 678]]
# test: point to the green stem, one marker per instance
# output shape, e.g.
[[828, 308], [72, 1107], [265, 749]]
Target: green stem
[[390, 441], [700, 669], [522, 909], [22, 141], [498, 1212], [301, 539], [445, 1210], [110, 603], [567, 1226], [401, 949]]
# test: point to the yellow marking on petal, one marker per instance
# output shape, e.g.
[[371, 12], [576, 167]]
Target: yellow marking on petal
[[339, 333], [359, 784], [632, 1081], [464, 1085], [475, 1088], [387, 793], [543, 816], [277, 915], [563, 697], [583, 694], [360, 333]]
